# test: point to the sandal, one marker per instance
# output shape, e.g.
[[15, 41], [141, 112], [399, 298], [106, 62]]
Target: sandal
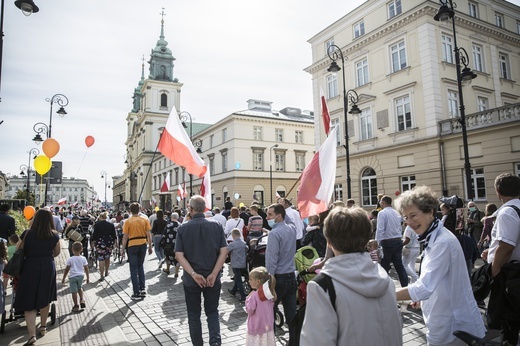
[[82, 304], [31, 341], [42, 331], [75, 308], [167, 271]]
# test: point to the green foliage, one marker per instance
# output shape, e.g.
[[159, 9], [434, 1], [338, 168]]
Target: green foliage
[[21, 223], [22, 194]]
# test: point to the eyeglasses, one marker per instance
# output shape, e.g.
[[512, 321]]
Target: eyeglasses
[[412, 217]]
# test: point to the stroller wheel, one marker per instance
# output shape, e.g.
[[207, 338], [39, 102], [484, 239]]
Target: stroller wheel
[[53, 314], [247, 288], [2, 325], [278, 318]]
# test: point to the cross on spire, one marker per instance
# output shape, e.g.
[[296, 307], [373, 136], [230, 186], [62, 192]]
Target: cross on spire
[[162, 15]]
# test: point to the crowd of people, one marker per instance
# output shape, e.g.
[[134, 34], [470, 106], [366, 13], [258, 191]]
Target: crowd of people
[[356, 252]]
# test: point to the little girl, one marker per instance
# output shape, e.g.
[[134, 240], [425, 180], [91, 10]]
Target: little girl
[[259, 308]]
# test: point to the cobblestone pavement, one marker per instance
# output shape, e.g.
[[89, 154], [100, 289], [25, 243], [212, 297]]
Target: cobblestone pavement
[[112, 318]]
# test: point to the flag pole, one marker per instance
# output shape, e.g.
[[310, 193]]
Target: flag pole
[[150, 167], [288, 193]]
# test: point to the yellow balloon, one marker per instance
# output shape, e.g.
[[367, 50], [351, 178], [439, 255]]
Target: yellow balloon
[[42, 164]]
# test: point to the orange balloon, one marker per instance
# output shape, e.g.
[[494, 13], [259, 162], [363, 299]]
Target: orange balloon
[[89, 141], [29, 212], [50, 147]]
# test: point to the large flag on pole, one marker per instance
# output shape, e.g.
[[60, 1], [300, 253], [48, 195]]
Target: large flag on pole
[[205, 190], [176, 145], [180, 191], [325, 112], [317, 181], [166, 184]]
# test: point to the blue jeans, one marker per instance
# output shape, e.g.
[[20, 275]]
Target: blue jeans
[[211, 301], [392, 252], [286, 293], [136, 256], [239, 286], [159, 252]]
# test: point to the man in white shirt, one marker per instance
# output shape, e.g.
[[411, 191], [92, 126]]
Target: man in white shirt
[[388, 236], [219, 217], [292, 216], [504, 247]]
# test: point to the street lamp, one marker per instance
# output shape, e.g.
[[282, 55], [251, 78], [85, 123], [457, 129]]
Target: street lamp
[[334, 54], [28, 7], [38, 129], [185, 116], [271, 170], [32, 153], [104, 175], [447, 11]]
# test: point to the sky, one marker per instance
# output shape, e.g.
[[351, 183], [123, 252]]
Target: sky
[[226, 52]]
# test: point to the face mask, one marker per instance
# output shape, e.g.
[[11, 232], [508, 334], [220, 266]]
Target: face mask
[[271, 223], [472, 209]]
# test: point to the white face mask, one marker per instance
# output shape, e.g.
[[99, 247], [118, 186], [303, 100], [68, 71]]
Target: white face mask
[[271, 223]]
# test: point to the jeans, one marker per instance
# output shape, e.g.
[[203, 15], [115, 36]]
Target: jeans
[[136, 255], [392, 252], [239, 286], [286, 293], [211, 301], [409, 259], [159, 252]]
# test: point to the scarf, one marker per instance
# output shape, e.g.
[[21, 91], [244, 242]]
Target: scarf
[[425, 238]]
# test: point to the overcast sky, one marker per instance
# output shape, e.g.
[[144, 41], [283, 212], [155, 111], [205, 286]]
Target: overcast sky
[[227, 52]]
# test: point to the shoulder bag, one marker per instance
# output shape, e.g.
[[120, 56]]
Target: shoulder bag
[[14, 266]]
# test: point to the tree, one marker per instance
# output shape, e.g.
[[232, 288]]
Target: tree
[[22, 194]]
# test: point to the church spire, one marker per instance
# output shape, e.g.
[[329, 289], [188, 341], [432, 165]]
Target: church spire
[[137, 91], [161, 58]]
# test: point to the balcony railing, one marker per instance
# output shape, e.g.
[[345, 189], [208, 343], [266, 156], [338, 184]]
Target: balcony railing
[[490, 117]]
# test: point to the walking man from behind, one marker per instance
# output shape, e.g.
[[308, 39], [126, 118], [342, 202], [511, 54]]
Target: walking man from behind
[[388, 235], [201, 250], [136, 234]]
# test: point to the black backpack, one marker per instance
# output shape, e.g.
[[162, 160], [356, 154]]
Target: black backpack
[[295, 327]]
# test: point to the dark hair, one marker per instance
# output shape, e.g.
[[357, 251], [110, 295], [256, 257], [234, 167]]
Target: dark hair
[[508, 185], [43, 224], [490, 209], [13, 238], [77, 246], [234, 213], [278, 209], [134, 208], [160, 214], [4, 207], [348, 229], [387, 200], [3, 250]]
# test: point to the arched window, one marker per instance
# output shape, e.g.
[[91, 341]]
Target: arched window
[[164, 100], [369, 187]]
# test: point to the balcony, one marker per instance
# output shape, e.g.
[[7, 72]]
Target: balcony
[[491, 117]]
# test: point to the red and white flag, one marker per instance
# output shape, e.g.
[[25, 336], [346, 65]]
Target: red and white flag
[[184, 190], [154, 201], [205, 190], [325, 113], [176, 145], [62, 201], [317, 182], [166, 184], [180, 191]]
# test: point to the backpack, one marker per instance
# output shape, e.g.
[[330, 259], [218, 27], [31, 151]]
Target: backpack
[[296, 323]]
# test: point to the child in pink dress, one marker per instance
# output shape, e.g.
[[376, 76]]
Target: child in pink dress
[[259, 308]]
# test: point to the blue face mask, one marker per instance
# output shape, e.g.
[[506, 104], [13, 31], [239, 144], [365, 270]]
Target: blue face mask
[[472, 209], [271, 223]]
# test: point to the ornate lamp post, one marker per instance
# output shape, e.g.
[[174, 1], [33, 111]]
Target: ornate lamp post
[[104, 175], [447, 11], [271, 170], [334, 54]]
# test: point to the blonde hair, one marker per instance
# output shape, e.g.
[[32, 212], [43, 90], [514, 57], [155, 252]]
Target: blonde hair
[[235, 233], [261, 273]]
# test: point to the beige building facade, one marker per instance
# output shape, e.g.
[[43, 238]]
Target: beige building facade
[[401, 64]]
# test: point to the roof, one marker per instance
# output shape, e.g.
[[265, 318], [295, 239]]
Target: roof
[[287, 114]]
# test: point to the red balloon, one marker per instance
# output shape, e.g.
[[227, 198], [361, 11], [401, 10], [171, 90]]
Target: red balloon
[[397, 193], [89, 141]]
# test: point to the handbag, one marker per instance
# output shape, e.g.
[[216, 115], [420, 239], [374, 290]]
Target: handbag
[[14, 266], [74, 235]]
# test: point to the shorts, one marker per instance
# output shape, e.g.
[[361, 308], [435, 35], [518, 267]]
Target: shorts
[[75, 283]]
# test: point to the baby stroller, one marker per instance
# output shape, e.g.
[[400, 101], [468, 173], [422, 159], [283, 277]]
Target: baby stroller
[[255, 257], [16, 315], [303, 259]]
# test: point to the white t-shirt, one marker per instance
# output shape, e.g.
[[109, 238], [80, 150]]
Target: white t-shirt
[[76, 264], [409, 233], [506, 229]]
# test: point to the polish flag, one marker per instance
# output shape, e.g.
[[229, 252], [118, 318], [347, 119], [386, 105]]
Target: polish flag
[[180, 192], [176, 145], [166, 184], [325, 112], [205, 190], [317, 182], [184, 190], [154, 201], [62, 201]]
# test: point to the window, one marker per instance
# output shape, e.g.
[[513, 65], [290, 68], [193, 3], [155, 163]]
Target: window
[[499, 20], [478, 58], [359, 28], [164, 100], [407, 183], [394, 8], [300, 162], [338, 192], [211, 141], [332, 86], [478, 183], [212, 165], [257, 133], [298, 137], [482, 104], [224, 135], [369, 187], [453, 104], [335, 123], [224, 161], [278, 134], [279, 161], [403, 112], [362, 72], [518, 27], [328, 45], [177, 176], [258, 160], [398, 53], [503, 61], [365, 122], [473, 9], [447, 48], [517, 169]]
